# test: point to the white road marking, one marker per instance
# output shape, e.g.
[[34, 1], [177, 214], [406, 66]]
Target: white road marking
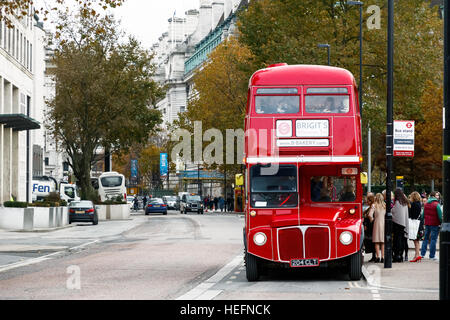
[[27, 262], [83, 245], [203, 291], [41, 259]]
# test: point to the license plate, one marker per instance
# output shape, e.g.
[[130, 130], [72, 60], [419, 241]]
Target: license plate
[[156, 206], [82, 212], [300, 263]]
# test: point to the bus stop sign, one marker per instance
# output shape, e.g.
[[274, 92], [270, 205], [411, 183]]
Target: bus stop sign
[[404, 138]]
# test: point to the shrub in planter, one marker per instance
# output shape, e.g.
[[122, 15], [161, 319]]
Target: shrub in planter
[[40, 204], [15, 204], [116, 200]]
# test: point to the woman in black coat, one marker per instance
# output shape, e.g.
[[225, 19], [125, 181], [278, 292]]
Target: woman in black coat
[[368, 228], [414, 214]]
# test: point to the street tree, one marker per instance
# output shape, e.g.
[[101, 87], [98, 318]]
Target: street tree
[[22, 8], [148, 160], [105, 95]]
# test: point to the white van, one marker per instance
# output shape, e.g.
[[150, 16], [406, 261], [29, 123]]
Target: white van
[[111, 185], [43, 186]]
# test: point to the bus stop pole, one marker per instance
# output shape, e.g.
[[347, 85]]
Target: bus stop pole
[[444, 237], [389, 136]]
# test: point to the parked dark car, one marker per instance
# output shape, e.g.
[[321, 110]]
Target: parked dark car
[[83, 211], [156, 205]]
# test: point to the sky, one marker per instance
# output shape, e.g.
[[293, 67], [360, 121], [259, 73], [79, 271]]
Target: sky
[[145, 19]]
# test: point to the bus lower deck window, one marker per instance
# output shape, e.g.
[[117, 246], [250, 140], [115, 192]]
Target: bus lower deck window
[[333, 189]]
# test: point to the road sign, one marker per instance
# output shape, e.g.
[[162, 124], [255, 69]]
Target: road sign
[[403, 138]]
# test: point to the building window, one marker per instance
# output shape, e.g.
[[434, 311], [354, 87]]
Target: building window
[[23, 104], [9, 40], [17, 44], [21, 48], [13, 49], [27, 55], [38, 168], [65, 166]]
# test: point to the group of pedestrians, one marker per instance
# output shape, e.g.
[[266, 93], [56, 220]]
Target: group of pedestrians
[[218, 204], [417, 218], [145, 199]]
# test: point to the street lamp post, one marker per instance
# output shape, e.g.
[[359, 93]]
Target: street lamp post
[[328, 50], [360, 4], [389, 136], [444, 237]]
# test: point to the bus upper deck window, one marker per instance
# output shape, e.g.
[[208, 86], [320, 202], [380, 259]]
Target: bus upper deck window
[[327, 90], [277, 104], [327, 104]]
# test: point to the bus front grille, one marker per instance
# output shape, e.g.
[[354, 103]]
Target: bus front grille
[[290, 244], [304, 242]]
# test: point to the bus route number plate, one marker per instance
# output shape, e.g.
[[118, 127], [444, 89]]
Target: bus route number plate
[[299, 263]]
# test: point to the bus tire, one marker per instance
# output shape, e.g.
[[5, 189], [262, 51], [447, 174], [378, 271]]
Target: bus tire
[[251, 267], [355, 266]]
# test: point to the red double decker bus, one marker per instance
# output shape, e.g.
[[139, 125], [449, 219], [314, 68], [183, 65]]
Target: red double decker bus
[[303, 162]]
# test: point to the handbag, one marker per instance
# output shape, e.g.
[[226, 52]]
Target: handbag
[[413, 229]]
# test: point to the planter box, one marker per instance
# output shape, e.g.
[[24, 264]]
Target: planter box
[[51, 217], [113, 211], [29, 219]]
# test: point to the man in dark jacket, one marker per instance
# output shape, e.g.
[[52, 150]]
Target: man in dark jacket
[[432, 213]]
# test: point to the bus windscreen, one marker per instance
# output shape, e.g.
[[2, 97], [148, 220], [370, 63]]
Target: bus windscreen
[[274, 191], [109, 182]]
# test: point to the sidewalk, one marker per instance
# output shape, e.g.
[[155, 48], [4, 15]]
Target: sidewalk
[[408, 276]]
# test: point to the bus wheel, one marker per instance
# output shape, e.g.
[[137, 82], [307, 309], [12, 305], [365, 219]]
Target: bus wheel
[[251, 267], [355, 265]]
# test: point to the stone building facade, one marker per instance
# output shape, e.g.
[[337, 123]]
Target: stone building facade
[[21, 106]]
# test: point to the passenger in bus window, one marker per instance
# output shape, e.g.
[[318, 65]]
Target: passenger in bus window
[[286, 105], [331, 188], [345, 105], [330, 106], [266, 105], [349, 193], [325, 195], [316, 187]]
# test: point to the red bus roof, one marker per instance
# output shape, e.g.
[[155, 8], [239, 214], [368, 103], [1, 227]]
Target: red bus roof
[[292, 75]]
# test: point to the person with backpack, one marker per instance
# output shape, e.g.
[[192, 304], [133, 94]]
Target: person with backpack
[[432, 215]]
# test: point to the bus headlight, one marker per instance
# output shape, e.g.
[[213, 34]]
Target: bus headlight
[[253, 213], [346, 238], [352, 211], [260, 238]]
